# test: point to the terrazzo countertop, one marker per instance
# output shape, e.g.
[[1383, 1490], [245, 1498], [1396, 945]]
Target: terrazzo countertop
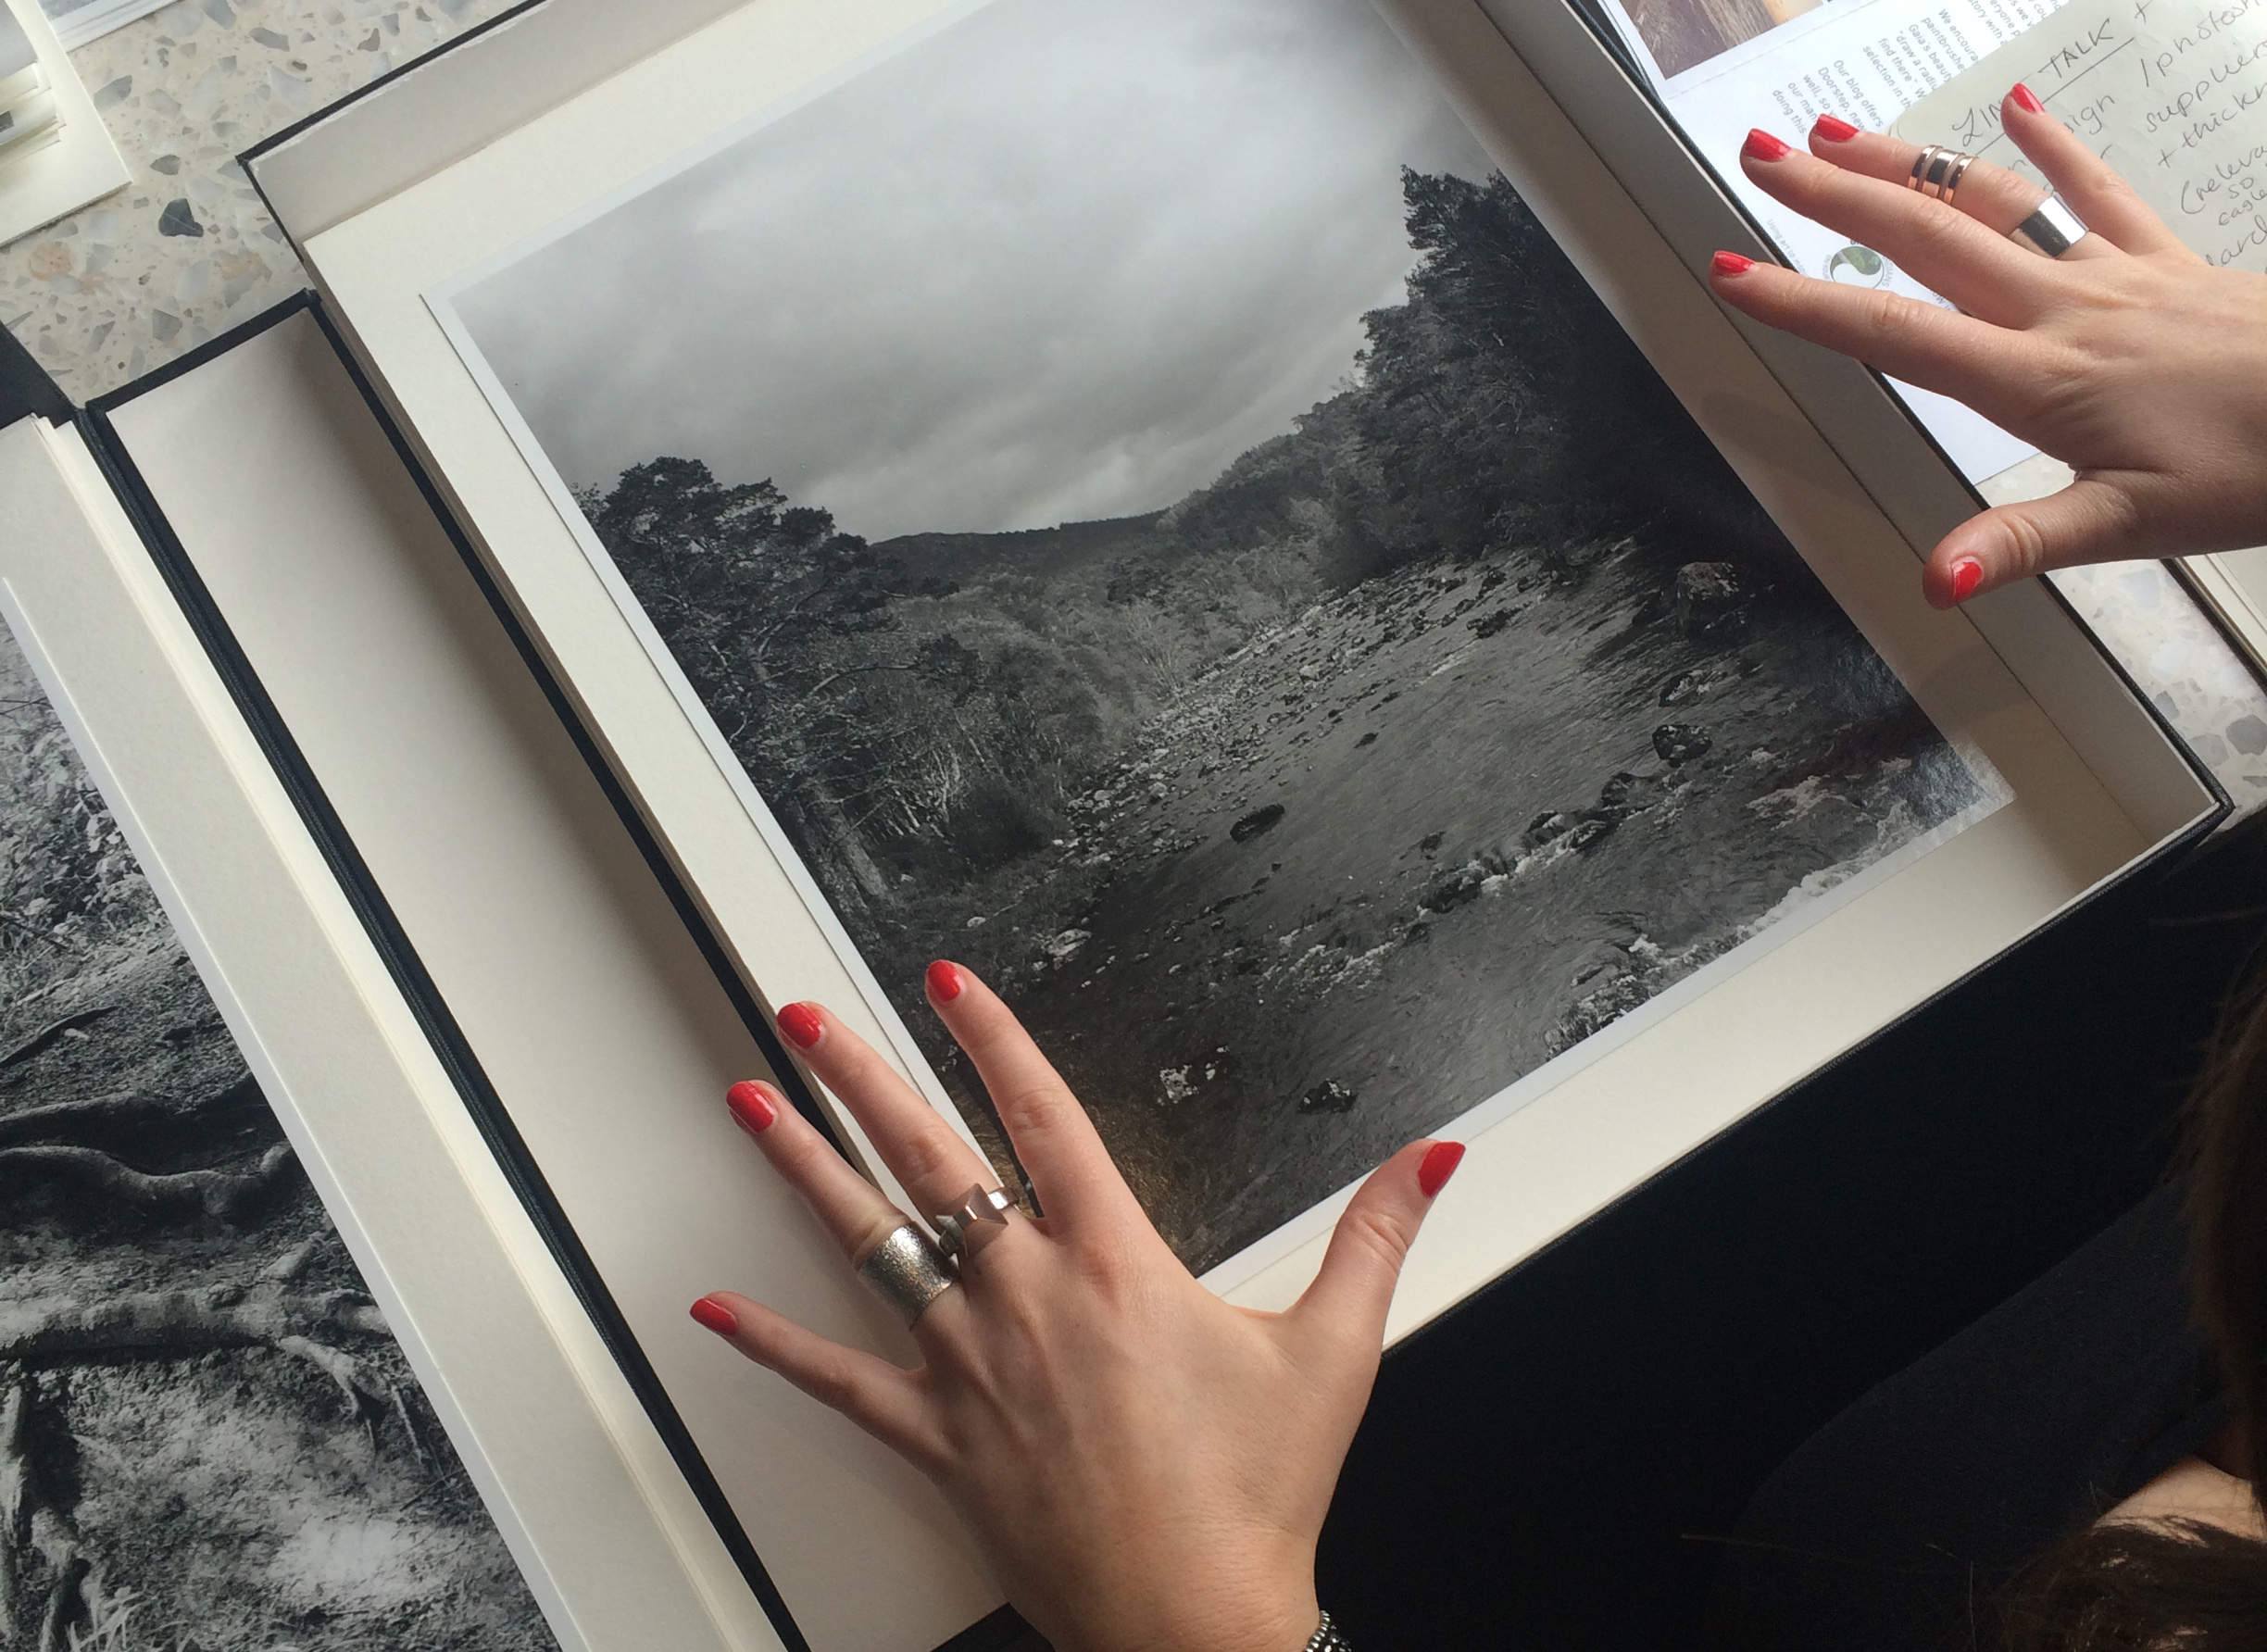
[[187, 251]]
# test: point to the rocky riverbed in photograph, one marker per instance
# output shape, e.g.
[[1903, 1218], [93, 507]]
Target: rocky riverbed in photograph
[[1391, 857]]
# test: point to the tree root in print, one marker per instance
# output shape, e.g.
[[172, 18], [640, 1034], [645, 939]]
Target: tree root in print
[[128, 1116], [54, 1593], [221, 1194]]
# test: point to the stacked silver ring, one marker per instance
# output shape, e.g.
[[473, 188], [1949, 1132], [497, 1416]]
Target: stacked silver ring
[[1937, 172]]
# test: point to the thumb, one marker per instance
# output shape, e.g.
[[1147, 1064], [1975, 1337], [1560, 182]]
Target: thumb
[[1349, 1297], [2091, 521]]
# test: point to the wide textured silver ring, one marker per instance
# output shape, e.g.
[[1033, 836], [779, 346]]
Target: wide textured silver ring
[[979, 1216], [906, 1271], [2052, 228], [1937, 173]]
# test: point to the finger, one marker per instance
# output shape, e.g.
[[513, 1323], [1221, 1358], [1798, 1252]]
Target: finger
[[1055, 1140], [1922, 344], [2089, 185], [930, 1160], [849, 1207], [888, 1402], [1994, 196], [2090, 520], [1986, 274], [1347, 1303]]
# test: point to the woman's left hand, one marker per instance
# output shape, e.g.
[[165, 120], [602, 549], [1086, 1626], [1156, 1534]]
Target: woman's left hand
[[1147, 1467], [2129, 358]]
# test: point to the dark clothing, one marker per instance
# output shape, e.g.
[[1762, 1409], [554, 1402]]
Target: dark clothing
[[1896, 1526]]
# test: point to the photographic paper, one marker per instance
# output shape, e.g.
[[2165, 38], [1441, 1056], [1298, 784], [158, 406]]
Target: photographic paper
[[1157, 519]]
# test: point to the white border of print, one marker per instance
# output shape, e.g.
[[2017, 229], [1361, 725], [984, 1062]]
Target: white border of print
[[1280, 1243]]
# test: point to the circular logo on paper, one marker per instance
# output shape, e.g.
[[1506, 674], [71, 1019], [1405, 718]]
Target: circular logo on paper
[[1858, 267]]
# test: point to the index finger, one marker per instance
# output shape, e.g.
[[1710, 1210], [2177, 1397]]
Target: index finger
[[1985, 273], [1057, 1142]]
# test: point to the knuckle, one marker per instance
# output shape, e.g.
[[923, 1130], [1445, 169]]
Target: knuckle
[[929, 1154], [1379, 1234], [830, 1383], [1888, 319], [1034, 1105], [2025, 541]]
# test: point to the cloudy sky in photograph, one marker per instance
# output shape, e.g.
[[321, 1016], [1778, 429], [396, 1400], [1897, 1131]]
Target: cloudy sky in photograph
[[1063, 259]]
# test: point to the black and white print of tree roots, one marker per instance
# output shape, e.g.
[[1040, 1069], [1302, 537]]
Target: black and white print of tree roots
[[208, 1437]]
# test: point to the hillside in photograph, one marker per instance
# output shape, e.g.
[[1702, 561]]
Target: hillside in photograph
[[1436, 734]]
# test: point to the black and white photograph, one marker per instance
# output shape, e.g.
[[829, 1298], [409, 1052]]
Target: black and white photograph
[[1161, 522], [208, 1437]]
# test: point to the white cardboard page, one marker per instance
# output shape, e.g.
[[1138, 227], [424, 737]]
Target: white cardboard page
[[591, 1009], [61, 173], [1529, 1177], [543, 1424]]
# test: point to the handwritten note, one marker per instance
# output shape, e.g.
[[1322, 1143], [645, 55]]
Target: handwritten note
[[2171, 93]]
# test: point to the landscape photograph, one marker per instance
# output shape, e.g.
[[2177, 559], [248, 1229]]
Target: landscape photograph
[[208, 1438], [1159, 521]]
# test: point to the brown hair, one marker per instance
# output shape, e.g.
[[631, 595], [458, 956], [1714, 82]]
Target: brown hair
[[2184, 1585]]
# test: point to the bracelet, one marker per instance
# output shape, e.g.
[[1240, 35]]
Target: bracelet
[[1327, 1639]]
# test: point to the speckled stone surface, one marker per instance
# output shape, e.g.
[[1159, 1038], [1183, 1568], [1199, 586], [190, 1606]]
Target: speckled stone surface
[[2166, 643], [187, 252]]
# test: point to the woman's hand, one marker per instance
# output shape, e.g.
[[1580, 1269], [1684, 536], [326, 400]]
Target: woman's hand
[[1147, 1467], [2129, 358]]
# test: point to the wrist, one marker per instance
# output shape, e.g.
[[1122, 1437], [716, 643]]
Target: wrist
[[1241, 1620]]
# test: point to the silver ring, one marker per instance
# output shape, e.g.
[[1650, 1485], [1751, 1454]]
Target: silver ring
[[2052, 228], [980, 1216], [906, 1271], [1937, 172]]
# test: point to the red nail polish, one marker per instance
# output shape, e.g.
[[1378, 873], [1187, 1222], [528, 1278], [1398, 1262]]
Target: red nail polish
[[1730, 263], [1967, 574], [1440, 1162], [712, 1315], [944, 982], [801, 1025], [2027, 100], [751, 1107], [1761, 145], [1833, 128]]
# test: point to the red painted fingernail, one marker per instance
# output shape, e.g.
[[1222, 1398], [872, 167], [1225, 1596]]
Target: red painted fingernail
[[2027, 100], [1967, 574], [1833, 128], [1730, 263], [944, 982], [800, 1022], [1440, 1162], [1761, 145], [712, 1315], [752, 1108]]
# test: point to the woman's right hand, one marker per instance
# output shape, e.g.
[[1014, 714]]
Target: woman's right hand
[[1147, 1467], [2129, 358]]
